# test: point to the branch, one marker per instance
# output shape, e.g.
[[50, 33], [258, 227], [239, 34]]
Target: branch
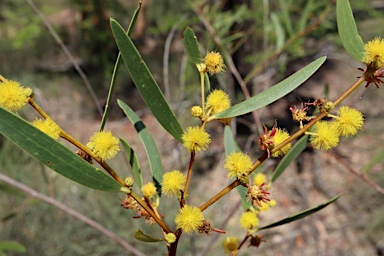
[[71, 212]]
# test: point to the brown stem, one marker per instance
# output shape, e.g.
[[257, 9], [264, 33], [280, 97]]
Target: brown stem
[[220, 195], [71, 212], [359, 174], [185, 192]]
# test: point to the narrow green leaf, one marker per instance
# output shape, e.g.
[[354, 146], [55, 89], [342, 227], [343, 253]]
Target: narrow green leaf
[[231, 146], [286, 18], [301, 214], [290, 156], [133, 162], [113, 78], [53, 154], [12, 246], [348, 33], [147, 86], [274, 93], [139, 235], [191, 45], [149, 145], [280, 35]]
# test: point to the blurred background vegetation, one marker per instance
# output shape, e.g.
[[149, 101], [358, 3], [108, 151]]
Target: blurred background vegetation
[[265, 40]]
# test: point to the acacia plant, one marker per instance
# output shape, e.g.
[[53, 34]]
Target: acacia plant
[[322, 130]]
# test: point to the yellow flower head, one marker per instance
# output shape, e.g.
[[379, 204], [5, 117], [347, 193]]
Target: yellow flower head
[[218, 101], [259, 179], [49, 127], [195, 139], [214, 62], [325, 135], [189, 218], [104, 145], [173, 182], [374, 53], [278, 138], [13, 96], [148, 190], [238, 165], [230, 244], [349, 121], [249, 220], [196, 111], [170, 238]]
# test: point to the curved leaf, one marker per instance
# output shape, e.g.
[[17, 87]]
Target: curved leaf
[[290, 156], [147, 86], [139, 235], [133, 162], [12, 246], [346, 25], [149, 145], [273, 93], [231, 146], [53, 154], [112, 85], [191, 45], [301, 214]]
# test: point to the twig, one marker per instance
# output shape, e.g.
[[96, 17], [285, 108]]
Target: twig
[[71, 212], [69, 55], [358, 173]]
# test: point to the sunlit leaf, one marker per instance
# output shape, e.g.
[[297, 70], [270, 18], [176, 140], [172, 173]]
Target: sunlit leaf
[[191, 45], [145, 83], [301, 214], [348, 33], [139, 235], [53, 154], [274, 93], [149, 145], [133, 162], [12, 246]]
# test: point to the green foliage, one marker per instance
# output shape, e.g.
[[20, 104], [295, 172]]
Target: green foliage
[[133, 162], [149, 145], [273, 93], [191, 45], [54, 155], [145, 83], [349, 36], [11, 246], [300, 215]]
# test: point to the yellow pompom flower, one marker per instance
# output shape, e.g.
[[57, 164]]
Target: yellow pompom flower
[[214, 62], [196, 111], [249, 220], [195, 139], [49, 127], [13, 96], [230, 244], [189, 218], [149, 190], [170, 238], [348, 121], [218, 101], [374, 53], [238, 164], [173, 182], [259, 179], [278, 138], [325, 135], [104, 145]]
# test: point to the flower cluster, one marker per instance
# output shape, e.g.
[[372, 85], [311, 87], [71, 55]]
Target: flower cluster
[[49, 127], [196, 139], [249, 220], [238, 165], [13, 96], [374, 53], [214, 63], [173, 182], [189, 218], [271, 139], [104, 145], [149, 190], [326, 135]]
